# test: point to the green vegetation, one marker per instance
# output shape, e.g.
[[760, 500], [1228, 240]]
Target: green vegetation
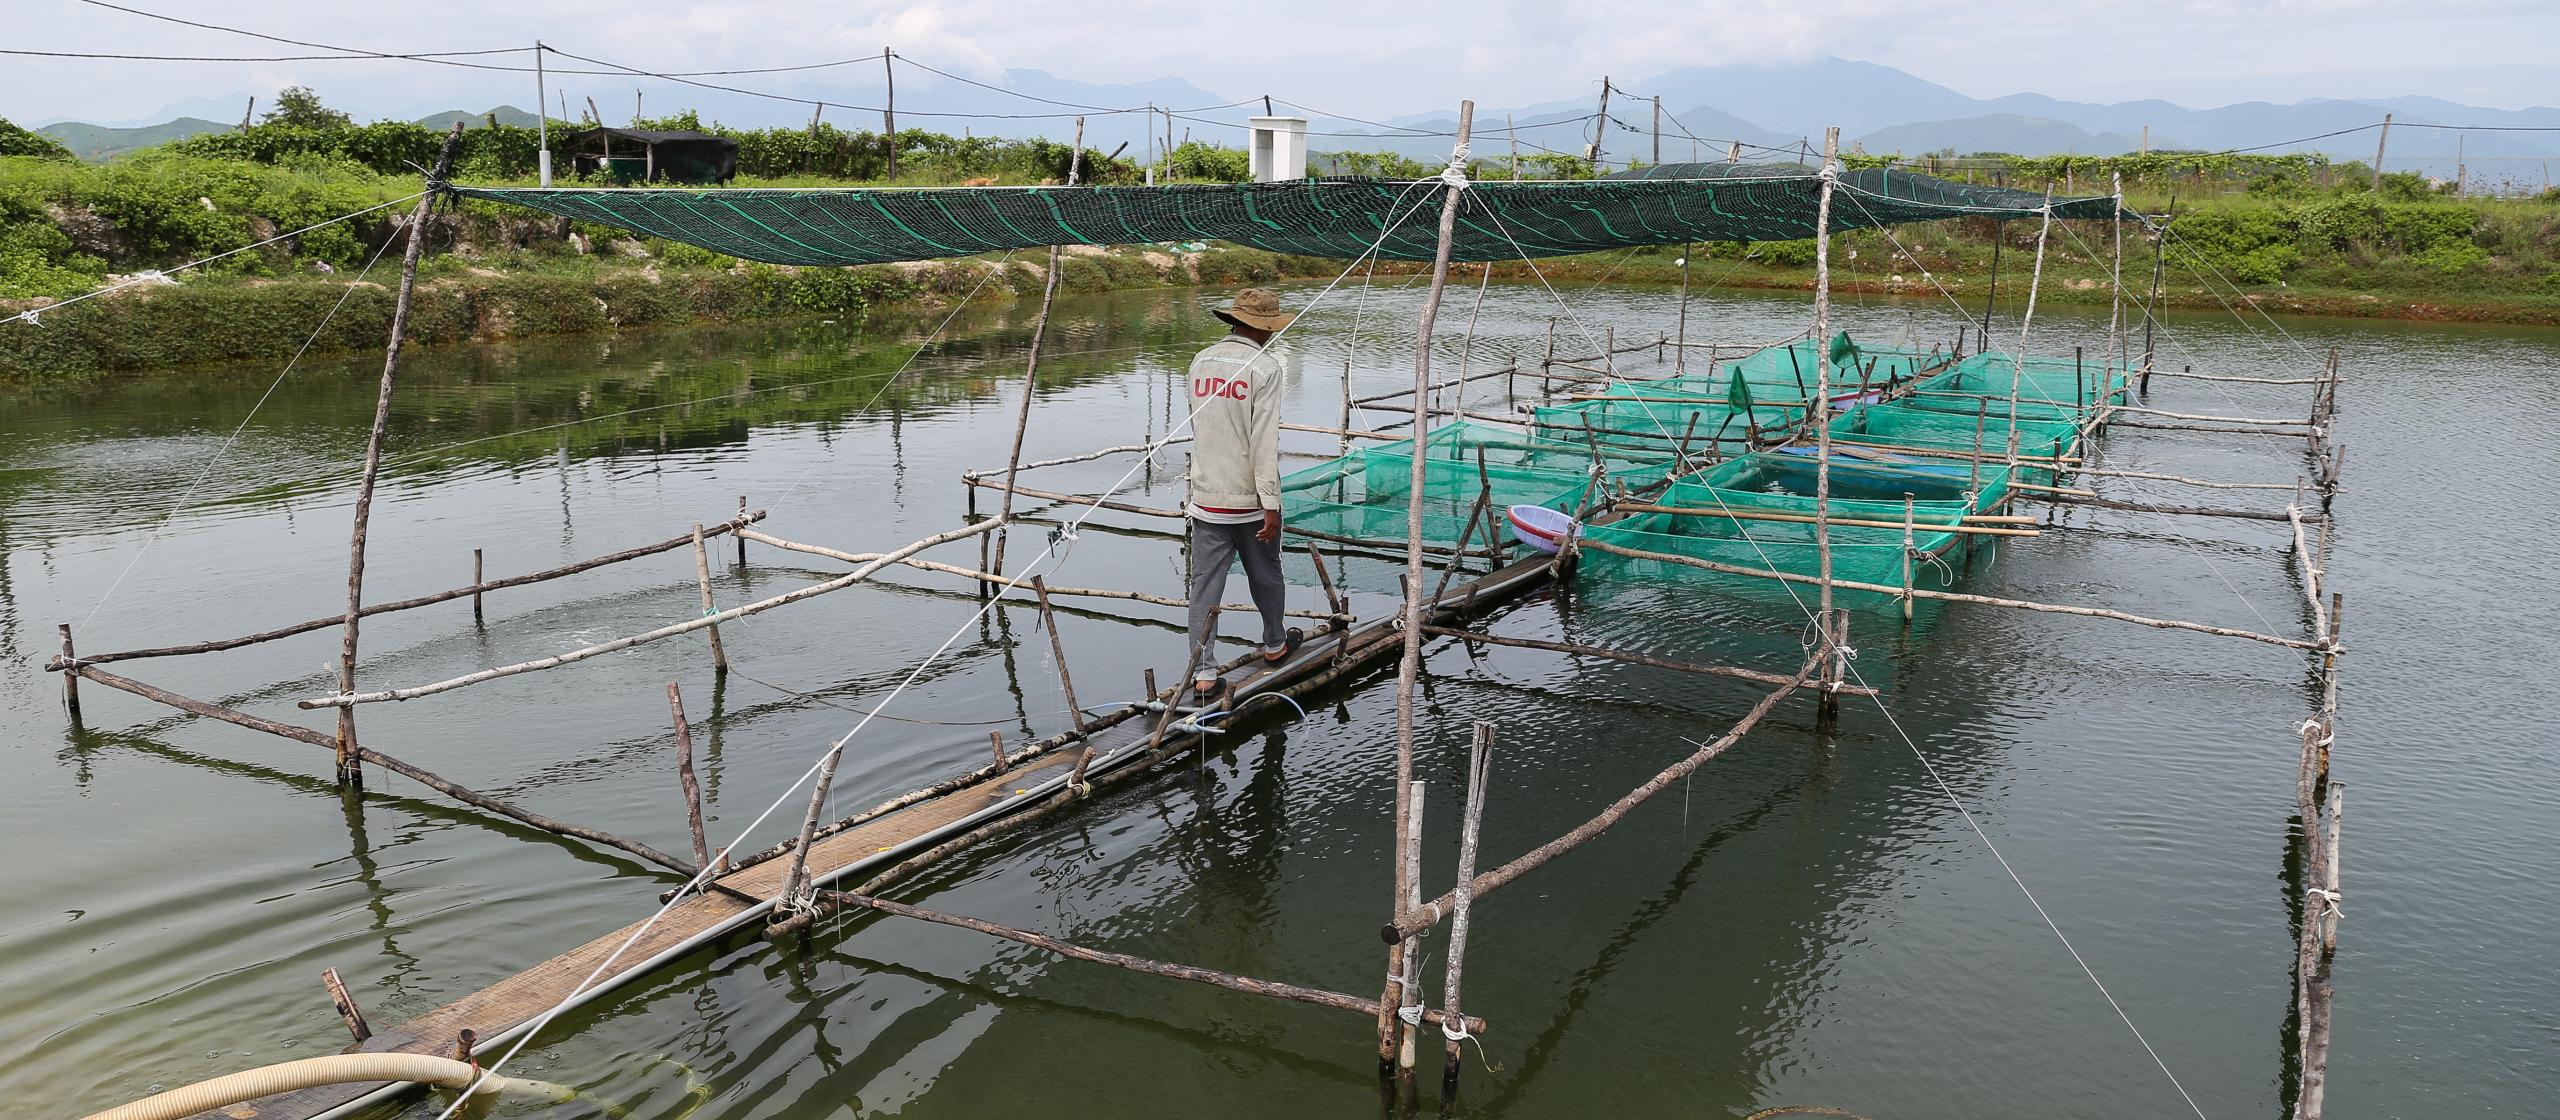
[[2290, 231]]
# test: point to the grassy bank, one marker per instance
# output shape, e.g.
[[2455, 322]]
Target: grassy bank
[[2304, 238], [482, 295]]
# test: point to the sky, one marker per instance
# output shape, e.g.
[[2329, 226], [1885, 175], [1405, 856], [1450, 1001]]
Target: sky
[[1356, 57]]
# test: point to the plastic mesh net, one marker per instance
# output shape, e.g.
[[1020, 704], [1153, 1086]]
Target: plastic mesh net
[[1316, 217]]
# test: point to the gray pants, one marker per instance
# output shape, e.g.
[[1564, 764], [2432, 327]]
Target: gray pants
[[1215, 549]]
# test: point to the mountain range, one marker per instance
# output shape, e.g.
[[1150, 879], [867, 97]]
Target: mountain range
[[1878, 108]]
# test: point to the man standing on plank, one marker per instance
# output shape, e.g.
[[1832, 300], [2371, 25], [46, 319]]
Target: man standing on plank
[[1234, 508]]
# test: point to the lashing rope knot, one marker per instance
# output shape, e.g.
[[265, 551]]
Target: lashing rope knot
[[27, 316], [1454, 1028], [1411, 1014], [2331, 897], [1456, 173]]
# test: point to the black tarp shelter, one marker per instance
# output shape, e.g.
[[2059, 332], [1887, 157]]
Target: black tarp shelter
[[639, 155]]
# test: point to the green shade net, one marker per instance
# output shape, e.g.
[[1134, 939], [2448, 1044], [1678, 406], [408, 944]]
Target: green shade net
[[1342, 218], [2049, 389], [1362, 494]]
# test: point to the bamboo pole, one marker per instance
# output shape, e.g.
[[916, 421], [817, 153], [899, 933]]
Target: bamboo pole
[[1818, 412], [1957, 597], [1058, 653], [70, 681], [1906, 557], [1192, 973], [1085, 457], [2035, 281], [990, 577], [1428, 914], [1806, 519], [2281, 433], [795, 885], [349, 773], [2115, 288], [1479, 763], [758, 607], [1031, 364], [1409, 665], [1410, 1009], [2060, 496], [1680, 356], [1623, 655], [702, 577], [667, 545], [2209, 418], [685, 779], [364, 754]]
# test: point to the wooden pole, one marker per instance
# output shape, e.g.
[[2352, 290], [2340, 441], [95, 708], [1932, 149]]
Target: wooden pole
[[1344, 446], [1409, 666], [684, 778], [1193, 974], [2379, 146], [742, 521], [702, 579], [349, 773], [1657, 130], [346, 1004], [1058, 653], [1599, 126], [1411, 1007], [1818, 413], [889, 111], [1477, 636], [425, 778], [1507, 126], [667, 631], [1680, 357], [1031, 374], [70, 680], [306, 627], [1906, 557], [2018, 368], [1419, 918], [1479, 759], [1991, 295], [1955, 596], [478, 578], [796, 884]]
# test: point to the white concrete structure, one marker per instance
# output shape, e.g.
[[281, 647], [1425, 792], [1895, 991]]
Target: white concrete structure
[[1279, 148]]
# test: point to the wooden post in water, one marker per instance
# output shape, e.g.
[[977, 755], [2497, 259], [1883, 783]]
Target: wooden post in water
[[1410, 861], [350, 771], [1031, 369], [702, 579], [345, 1002], [742, 513], [70, 678], [795, 885], [2151, 307], [1819, 411], [2018, 367], [1409, 666], [1906, 557], [685, 779], [478, 577], [1058, 653], [1479, 757], [1991, 295], [1680, 356]]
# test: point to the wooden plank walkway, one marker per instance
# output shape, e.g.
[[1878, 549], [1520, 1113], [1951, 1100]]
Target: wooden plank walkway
[[501, 1012]]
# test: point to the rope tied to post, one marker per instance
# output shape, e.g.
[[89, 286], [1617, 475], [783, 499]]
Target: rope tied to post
[[1455, 175]]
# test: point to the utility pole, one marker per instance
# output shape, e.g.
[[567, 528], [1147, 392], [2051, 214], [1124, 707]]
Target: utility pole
[[1657, 130], [1599, 127], [542, 118], [2378, 147], [250, 111], [889, 111]]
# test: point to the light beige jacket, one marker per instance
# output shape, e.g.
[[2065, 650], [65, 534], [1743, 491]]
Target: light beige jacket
[[1235, 445]]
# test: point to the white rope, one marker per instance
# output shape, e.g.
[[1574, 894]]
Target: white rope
[[2330, 897], [155, 276]]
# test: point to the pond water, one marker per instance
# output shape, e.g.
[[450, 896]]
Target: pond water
[[1808, 921]]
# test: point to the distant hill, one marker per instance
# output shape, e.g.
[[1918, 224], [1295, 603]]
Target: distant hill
[[506, 114], [96, 142], [2002, 132]]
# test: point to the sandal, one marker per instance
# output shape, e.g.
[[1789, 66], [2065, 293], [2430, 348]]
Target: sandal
[[1203, 697], [1296, 640]]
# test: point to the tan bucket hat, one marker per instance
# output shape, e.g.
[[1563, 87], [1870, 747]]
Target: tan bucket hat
[[1255, 307]]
